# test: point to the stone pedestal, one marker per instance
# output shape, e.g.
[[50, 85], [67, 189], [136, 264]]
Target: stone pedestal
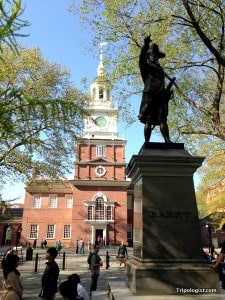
[[168, 255]]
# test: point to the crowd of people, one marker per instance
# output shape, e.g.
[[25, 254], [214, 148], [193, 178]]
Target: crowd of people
[[72, 288]]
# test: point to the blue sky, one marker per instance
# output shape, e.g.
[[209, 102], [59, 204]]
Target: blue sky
[[57, 33]]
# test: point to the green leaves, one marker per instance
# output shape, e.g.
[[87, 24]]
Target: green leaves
[[191, 33], [187, 33], [10, 22], [40, 115]]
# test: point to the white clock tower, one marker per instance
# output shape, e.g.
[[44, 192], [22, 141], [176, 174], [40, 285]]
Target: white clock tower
[[92, 205], [103, 114], [100, 185]]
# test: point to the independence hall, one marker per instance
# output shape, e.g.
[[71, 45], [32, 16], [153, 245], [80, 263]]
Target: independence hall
[[97, 203]]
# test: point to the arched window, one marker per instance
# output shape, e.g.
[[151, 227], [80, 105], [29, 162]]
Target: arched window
[[99, 209], [94, 93], [100, 93]]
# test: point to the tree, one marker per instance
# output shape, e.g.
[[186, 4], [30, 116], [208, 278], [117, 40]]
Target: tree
[[194, 21], [201, 203], [191, 33], [40, 111], [10, 26], [5, 212], [212, 187], [40, 115], [10, 22]]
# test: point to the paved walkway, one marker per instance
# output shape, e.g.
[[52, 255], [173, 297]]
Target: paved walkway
[[74, 263], [113, 277]]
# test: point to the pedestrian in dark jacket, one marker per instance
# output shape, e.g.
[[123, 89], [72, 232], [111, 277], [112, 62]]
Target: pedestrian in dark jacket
[[96, 263], [50, 275]]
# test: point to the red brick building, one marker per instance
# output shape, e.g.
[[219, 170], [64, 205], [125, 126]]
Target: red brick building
[[10, 224], [93, 205]]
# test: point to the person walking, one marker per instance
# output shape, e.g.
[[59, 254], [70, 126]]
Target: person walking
[[89, 245], [122, 253], [13, 288], [45, 244], [58, 246], [77, 246], [81, 246], [96, 263], [50, 275], [35, 244]]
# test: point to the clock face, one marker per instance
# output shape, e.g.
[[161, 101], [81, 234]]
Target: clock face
[[100, 121], [100, 171]]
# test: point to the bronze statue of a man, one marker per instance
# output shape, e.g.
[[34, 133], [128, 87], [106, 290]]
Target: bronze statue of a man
[[155, 97]]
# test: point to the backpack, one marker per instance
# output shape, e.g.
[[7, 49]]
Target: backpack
[[89, 258]]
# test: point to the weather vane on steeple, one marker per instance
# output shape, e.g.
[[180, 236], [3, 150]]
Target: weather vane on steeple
[[100, 66]]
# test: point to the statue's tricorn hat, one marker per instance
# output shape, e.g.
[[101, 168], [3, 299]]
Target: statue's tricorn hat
[[154, 48]]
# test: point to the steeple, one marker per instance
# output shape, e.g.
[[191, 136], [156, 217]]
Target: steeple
[[100, 69], [103, 119]]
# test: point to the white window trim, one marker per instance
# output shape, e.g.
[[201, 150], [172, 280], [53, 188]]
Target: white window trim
[[70, 197], [67, 238], [102, 168], [39, 201], [53, 237], [33, 238], [100, 150], [55, 203]]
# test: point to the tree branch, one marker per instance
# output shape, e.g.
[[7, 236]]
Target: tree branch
[[201, 34]]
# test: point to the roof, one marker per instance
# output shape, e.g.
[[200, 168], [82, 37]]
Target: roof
[[16, 212], [49, 186], [102, 80], [66, 186], [12, 213]]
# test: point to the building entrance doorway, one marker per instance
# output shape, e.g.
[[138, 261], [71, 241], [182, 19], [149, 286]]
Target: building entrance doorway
[[99, 236]]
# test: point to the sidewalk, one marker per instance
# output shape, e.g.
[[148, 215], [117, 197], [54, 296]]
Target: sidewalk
[[113, 278], [74, 263], [120, 291]]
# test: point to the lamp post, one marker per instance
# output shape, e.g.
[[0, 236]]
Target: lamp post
[[211, 246]]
